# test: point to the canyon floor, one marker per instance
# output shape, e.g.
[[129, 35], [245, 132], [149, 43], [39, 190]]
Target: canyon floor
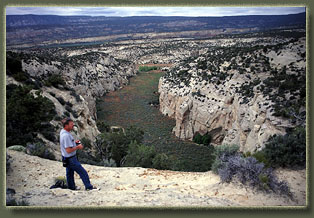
[[31, 178]]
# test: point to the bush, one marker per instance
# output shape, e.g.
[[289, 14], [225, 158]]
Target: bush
[[140, 155], [14, 69], [112, 146], [147, 68], [54, 80], [230, 165], [288, 150], [204, 140], [102, 127], [226, 150], [40, 150], [25, 114], [61, 100], [133, 133], [86, 158], [250, 172], [77, 97], [260, 156], [86, 143], [51, 136], [19, 148], [163, 162], [68, 108], [116, 145]]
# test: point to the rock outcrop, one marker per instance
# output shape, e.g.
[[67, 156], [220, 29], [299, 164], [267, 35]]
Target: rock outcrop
[[218, 107], [86, 76]]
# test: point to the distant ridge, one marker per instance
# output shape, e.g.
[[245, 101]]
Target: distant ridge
[[271, 21], [33, 30]]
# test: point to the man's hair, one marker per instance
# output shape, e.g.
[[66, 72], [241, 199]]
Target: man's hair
[[66, 121]]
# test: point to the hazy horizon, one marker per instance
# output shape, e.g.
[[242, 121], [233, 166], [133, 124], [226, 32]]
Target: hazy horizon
[[154, 11]]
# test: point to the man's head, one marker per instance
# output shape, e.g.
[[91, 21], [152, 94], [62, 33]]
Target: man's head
[[68, 124]]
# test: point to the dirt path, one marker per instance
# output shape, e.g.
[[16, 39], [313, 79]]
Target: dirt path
[[32, 176]]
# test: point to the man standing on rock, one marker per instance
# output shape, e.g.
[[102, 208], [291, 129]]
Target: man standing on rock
[[68, 151]]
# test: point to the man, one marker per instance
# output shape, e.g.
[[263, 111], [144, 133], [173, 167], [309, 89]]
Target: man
[[68, 151]]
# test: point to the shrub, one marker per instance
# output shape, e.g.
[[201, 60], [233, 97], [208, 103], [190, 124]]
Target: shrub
[[77, 97], [197, 138], [19, 148], [288, 150], [14, 69], [226, 150], [68, 108], [51, 136], [86, 158], [86, 142], [147, 68], [250, 172], [25, 114], [139, 155], [163, 162], [102, 127], [116, 145], [66, 114], [260, 156], [61, 100], [133, 133], [205, 139], [40, 150], [54, 80]]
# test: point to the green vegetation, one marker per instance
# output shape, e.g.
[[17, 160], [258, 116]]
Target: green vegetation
[[231, 165], [288, 150], [147, 68], [55, 81], [19, 148], [129, 106], [202, 139], [139, 155], [114, 145], [26, 115], [39, 149], [223, 150]]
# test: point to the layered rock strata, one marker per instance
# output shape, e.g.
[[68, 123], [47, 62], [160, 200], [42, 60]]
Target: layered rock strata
[[218, 108]]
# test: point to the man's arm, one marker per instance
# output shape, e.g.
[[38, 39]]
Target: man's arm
[[71, 149]]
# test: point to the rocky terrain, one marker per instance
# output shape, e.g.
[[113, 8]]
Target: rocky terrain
[[24, 31], [86, 77], [89, 73], [239, 91], [31, 177], [227, 87], [241, 88]]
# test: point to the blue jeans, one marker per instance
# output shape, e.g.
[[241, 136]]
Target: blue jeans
[[75, 166]]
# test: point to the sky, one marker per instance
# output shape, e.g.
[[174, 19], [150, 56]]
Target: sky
[[154, 11]]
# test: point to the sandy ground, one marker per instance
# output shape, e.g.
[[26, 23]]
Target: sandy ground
[[31, 178]]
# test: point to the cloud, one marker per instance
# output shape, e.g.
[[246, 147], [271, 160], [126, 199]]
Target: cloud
[[154, 11]]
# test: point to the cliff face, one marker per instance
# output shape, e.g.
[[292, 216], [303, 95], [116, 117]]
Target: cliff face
[[90, 75], [233, 104], [86, 77]]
